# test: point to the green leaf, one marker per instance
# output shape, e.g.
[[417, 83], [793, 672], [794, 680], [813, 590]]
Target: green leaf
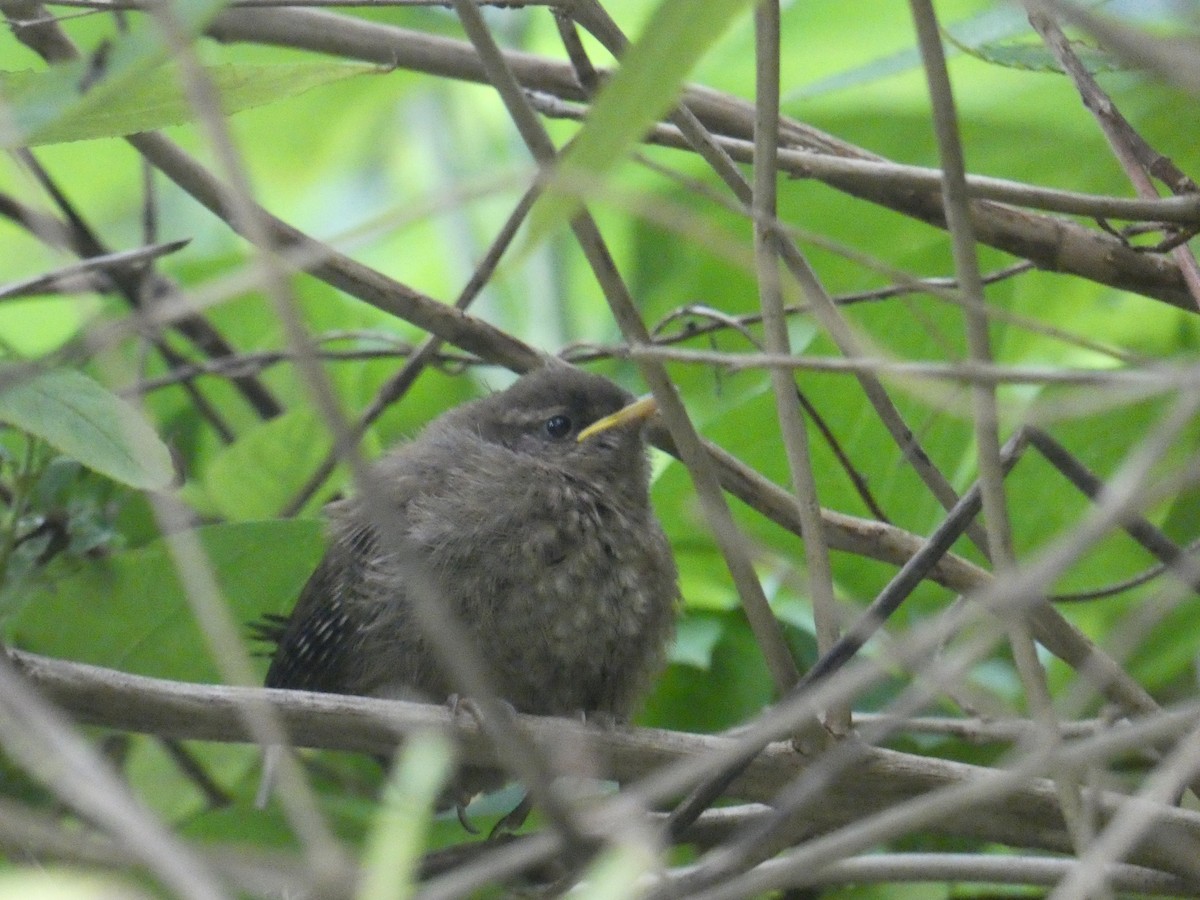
[[696, 638], [1036, 58], [267, 466], [990, 24], [130, 611], [36, 326], [116, 66], [645, 87], [733, 686], [48, 107], [86, 421], [256, 475]]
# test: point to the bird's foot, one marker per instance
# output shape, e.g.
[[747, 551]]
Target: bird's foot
[[472, 780]]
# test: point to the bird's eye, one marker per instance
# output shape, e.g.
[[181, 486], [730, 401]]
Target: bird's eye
[[558, 426]]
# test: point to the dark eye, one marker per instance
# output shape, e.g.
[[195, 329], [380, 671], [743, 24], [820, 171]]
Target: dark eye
[[558, 426]]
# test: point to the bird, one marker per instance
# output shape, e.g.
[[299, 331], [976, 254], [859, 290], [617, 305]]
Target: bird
[[529, 510]]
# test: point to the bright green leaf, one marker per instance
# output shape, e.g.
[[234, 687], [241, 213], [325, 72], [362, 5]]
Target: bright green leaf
[[34, 326], [118, 66], [155, 99], [87, 422], [994, 23], [1037, 58]]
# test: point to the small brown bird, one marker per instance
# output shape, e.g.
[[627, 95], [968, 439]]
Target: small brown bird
[[530, 510]]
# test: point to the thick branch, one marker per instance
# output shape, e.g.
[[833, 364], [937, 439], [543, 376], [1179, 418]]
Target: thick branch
[[1024, 815]]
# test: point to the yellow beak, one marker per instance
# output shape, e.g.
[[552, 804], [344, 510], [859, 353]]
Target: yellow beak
[[637, 411]]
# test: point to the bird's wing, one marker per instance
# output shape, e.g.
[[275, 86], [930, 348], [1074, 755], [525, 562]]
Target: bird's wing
[[315, 645]]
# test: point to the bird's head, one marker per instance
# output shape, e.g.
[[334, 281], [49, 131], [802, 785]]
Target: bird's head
[[568, 418]]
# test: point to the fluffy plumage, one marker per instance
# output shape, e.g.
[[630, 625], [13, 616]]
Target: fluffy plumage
[[545, 547]]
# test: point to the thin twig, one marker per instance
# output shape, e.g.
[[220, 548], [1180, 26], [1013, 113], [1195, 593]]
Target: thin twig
[[985, 416], [770, 291], [837, 656], [89, 274]]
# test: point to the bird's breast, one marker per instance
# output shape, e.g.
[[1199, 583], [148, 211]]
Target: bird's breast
[[581, 617], [568, 595]]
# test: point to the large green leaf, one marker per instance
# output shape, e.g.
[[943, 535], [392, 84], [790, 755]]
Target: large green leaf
[[130, 611], [117, 66], [267, 466], [48, 108], [86, 421], [731, 687]]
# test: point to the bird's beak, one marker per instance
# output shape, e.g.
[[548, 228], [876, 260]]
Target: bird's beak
[[638, 411]]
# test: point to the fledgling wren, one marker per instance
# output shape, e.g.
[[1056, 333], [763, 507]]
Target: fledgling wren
[[538, 532]]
